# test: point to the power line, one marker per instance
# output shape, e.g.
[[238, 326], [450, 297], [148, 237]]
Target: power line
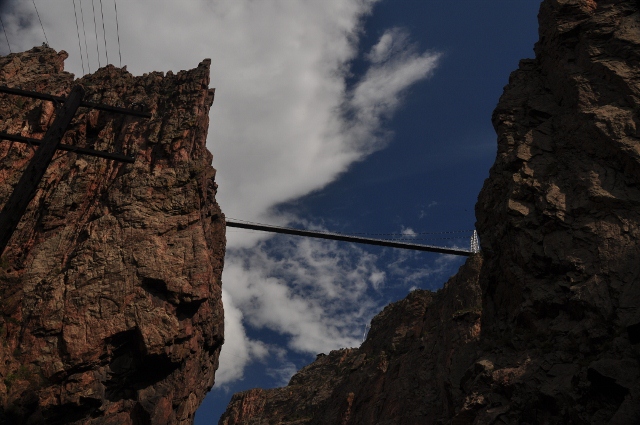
[[415, 233], [118, 31], [95, 29], [86, 49], [78, 30], [104, 33], [5, 34], [42, 26]]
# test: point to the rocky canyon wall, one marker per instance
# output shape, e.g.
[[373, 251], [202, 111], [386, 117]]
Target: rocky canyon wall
[[545, 327], [110, 297]]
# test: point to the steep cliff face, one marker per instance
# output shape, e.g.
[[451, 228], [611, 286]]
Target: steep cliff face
[[110, 302], [559, 285], [559, 219]]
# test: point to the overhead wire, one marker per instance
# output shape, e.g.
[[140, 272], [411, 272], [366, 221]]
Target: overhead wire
[[409, 239], [104, 33], [95, 29], [5, 34], [75, 12], [115, 5], [86, 49], [41, 26], [415, 233]]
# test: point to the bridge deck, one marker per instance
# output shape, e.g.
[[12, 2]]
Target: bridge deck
[[347, 238]]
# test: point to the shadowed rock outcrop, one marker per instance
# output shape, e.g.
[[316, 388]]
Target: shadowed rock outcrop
[[557, 337], [110, 297]]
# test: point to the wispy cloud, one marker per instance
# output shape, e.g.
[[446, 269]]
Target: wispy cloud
[[423, 212], [392, 42], [239, 350]]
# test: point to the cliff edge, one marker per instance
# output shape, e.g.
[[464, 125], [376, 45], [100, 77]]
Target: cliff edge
[[110, 297], [545, 327]]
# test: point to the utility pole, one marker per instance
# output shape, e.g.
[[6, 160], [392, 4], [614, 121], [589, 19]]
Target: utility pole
[[26, 188]]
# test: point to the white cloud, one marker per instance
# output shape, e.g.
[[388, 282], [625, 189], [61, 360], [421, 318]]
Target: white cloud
[[392, 40], [377, 279], [408, 232], [284, 123], [239, 350], [315, 292], [380, 91]]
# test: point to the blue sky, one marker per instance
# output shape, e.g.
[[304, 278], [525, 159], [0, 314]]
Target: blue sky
[[443, 144], [354, 116]]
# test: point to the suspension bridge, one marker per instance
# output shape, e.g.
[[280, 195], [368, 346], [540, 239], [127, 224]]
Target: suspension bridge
[[473, 245]]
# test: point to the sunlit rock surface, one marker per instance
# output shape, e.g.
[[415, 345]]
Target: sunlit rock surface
[[110, 297], [546, 328]]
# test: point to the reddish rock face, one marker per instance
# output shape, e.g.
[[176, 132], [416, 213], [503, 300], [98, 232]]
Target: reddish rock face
[[110, 295], [559, 286]]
